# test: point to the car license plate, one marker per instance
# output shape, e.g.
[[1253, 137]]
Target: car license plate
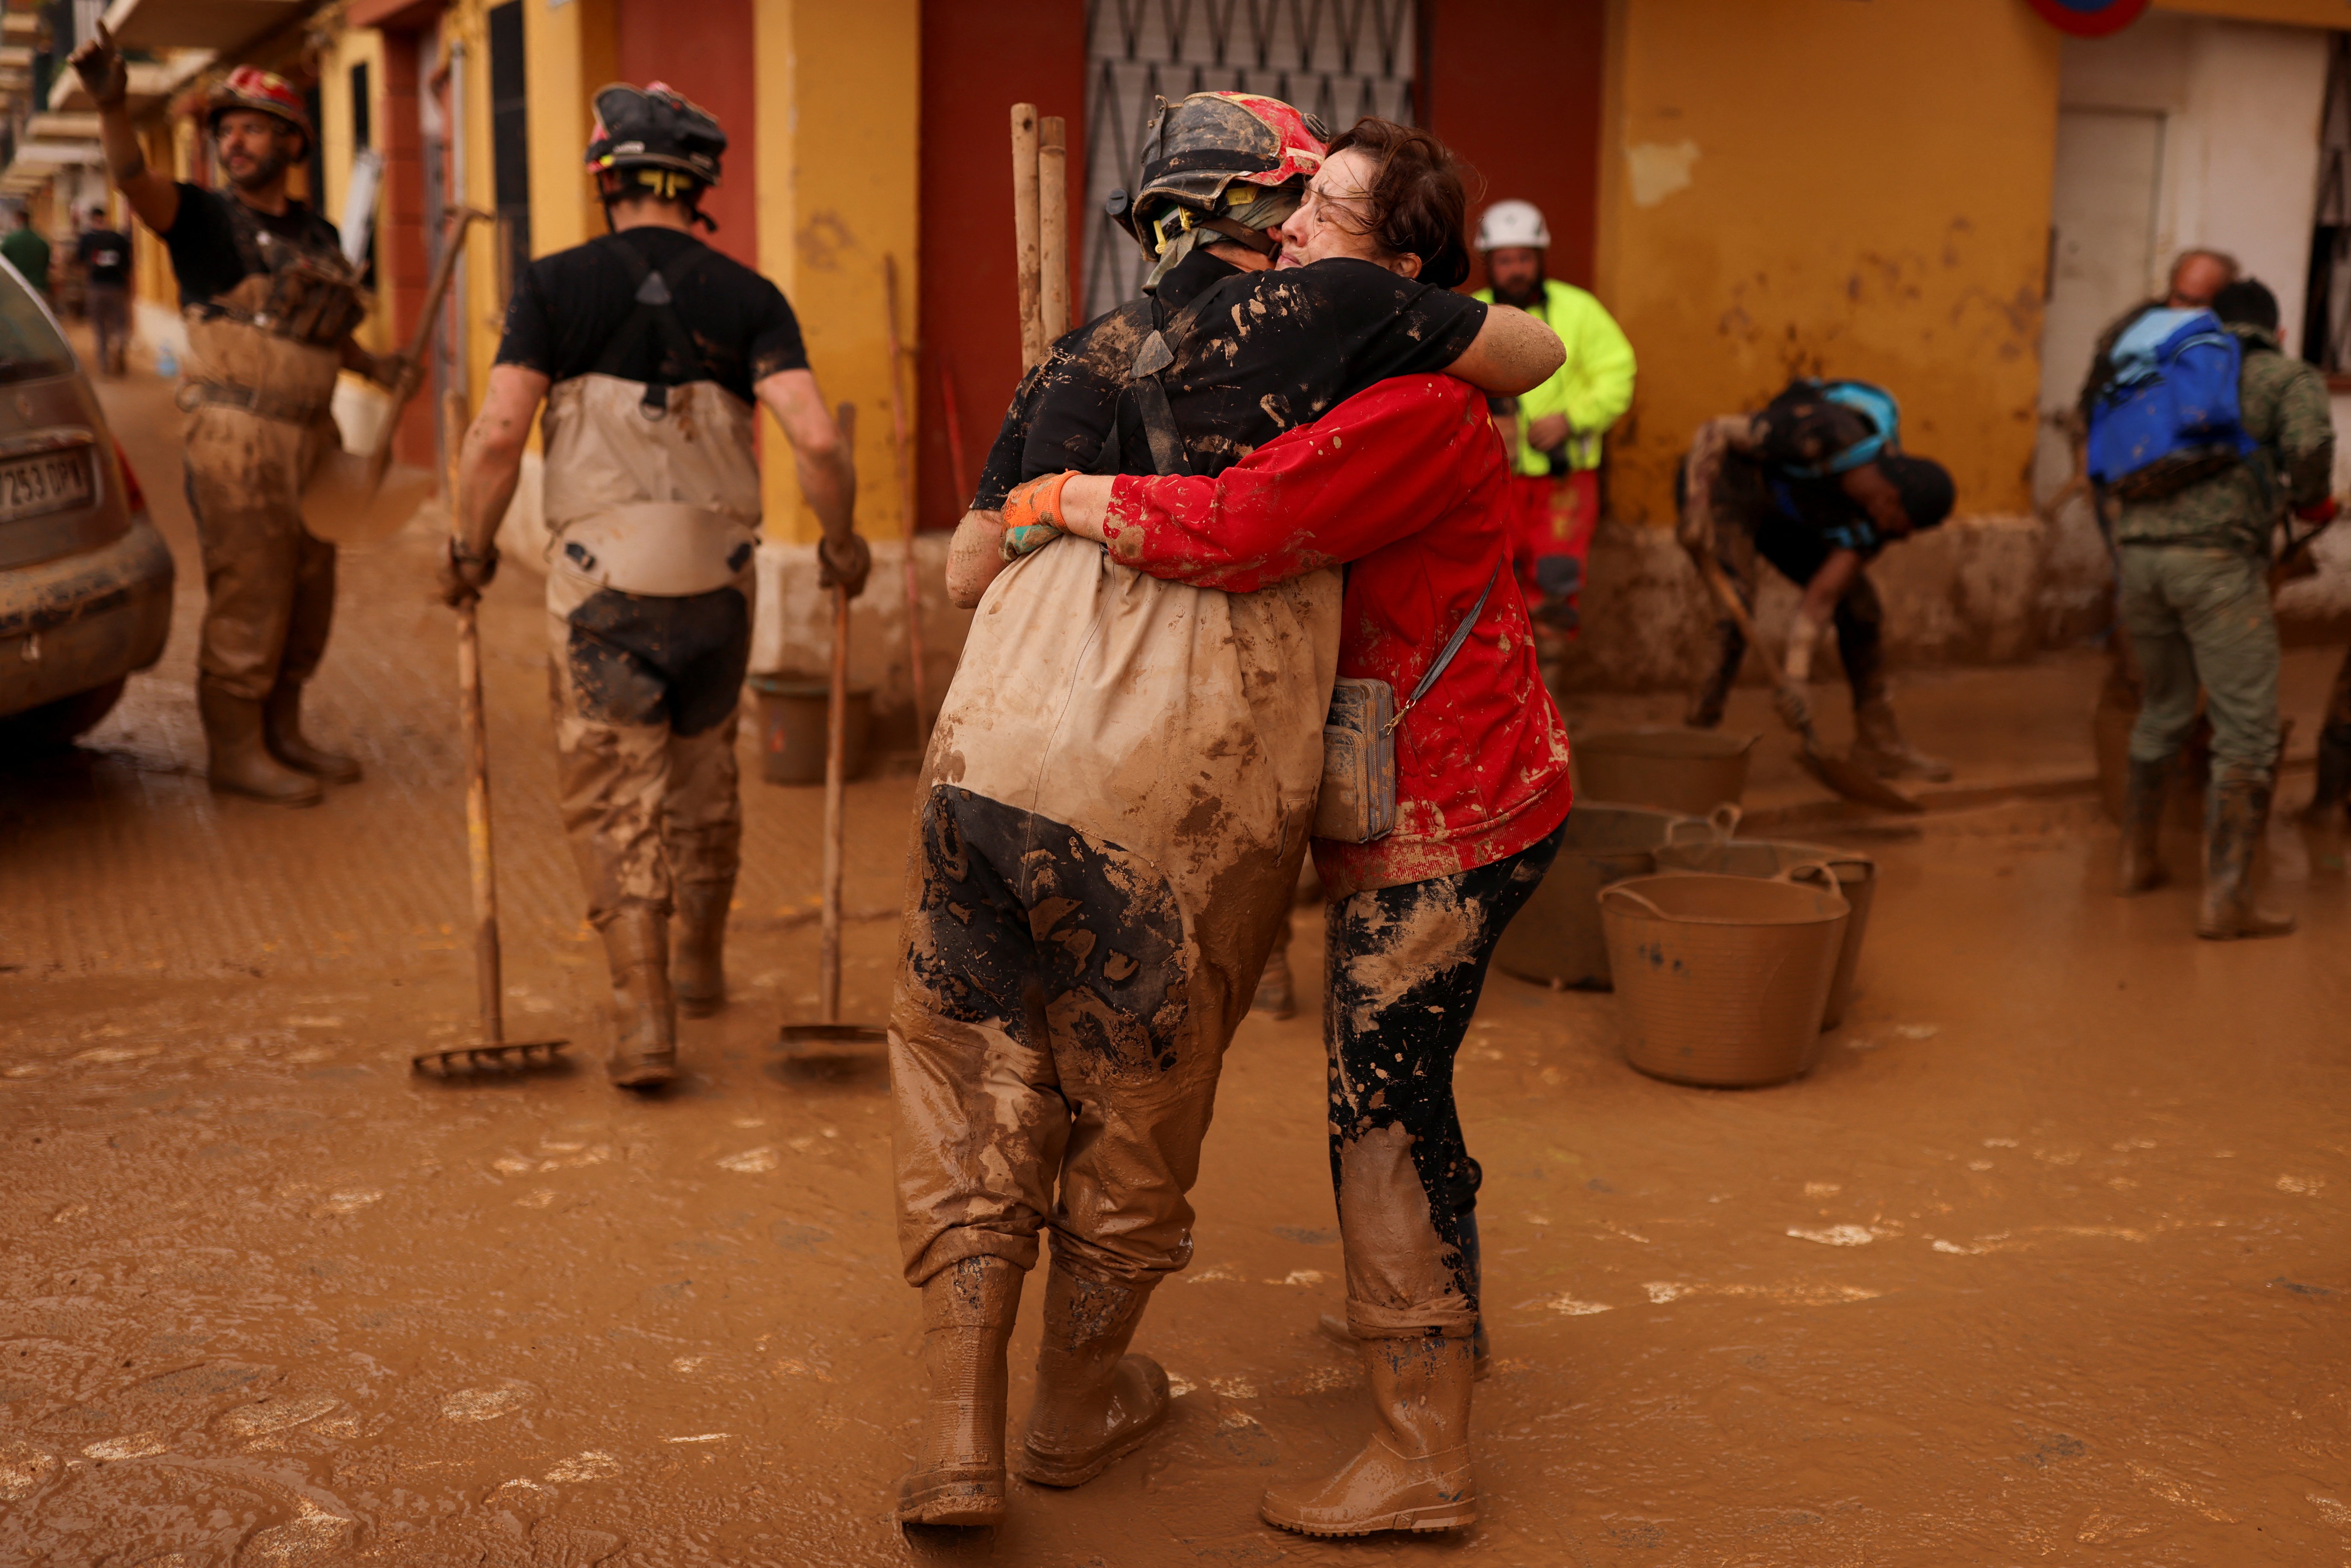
[[50, 482]]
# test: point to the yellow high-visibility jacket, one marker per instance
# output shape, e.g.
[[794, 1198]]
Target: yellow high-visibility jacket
[[1593, 388]]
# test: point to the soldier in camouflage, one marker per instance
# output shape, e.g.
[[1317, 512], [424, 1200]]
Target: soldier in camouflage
[[2195, 600]]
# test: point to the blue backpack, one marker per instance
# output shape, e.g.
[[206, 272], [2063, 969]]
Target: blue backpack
[[2167, 415]]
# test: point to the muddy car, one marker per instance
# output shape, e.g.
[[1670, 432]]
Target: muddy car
[[85, 579]]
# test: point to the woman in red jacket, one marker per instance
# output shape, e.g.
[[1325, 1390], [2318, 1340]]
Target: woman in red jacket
[[1406, 484]]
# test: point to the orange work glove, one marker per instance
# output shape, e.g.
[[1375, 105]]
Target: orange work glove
[[1033, 515]]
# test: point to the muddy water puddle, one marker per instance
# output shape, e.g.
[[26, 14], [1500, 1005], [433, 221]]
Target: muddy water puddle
[[2045, 1261]]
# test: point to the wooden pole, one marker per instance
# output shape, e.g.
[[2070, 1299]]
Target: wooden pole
[[487, 976], [955, 432], [1025, 234], [1052, 230], [836, 760], [901, 451]]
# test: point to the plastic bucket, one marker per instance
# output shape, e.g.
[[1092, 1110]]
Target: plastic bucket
[[1856, 876], [1724, 978], [1687, 770], [1556, 940], [792, 711]]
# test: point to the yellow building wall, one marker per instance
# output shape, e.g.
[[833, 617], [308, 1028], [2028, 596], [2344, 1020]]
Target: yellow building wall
[[838, 171], [570, 53], [337, 149], [1816, 186]]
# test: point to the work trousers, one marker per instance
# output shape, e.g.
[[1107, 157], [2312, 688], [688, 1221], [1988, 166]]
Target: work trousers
[[1404, 968], [269, 586], [2199, 616], [1056, 1035], [646, 692], [1551, 520], [1798, 553], [110, 323]]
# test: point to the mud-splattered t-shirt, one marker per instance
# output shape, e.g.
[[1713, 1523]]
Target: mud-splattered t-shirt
[[1270, 351], [205, 257], [568, 307]]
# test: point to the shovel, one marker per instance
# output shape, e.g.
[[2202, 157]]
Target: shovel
[[830, 1030], [346, 500], [1842, 776], [494, 1052]]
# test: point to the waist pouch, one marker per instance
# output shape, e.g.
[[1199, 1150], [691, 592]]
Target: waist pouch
[[1357, 802], [664, 548]]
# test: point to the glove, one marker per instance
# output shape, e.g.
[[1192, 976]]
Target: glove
[[1033, 515], [2321, 512], [1794, 703], [463, 575], [101, 67], [844, 563]]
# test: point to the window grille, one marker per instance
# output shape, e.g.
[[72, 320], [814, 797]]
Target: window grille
[[1341, 59], [2326, 308]]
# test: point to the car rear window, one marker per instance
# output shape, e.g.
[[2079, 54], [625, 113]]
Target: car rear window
[[30, 347]]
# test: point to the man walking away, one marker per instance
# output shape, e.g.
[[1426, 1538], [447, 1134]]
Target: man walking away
[[27, 252], [1554, 433], [105, 257], [2192, 536], [270, 304], [649, 348]]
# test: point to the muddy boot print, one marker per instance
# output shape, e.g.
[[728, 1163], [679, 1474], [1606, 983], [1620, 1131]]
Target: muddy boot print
[[1095, 1403], [958, 1476], [1413, 1473]]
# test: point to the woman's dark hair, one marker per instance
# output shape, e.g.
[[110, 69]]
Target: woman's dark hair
[[1416, 203]]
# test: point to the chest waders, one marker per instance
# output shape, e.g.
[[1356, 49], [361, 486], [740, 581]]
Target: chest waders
[[653, 504], [263, 358]]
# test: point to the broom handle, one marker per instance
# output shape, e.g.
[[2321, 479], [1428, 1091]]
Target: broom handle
[[487, 976], [900, 451], [1052, 231], [836, 758], [1024, 222]]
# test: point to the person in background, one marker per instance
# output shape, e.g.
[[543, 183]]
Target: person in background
[[2193, 565], [27, 252], [105, 256], [1554, 432]]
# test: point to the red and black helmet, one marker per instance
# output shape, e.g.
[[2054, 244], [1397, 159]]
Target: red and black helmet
[[263, 92], [654, 127], [1198, 148]]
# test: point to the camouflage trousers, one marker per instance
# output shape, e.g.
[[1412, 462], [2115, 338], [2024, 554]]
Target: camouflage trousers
[[2199, 616], [647, 695]]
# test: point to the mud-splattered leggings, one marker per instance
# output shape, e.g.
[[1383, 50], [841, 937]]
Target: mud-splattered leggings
[[1405, 969]]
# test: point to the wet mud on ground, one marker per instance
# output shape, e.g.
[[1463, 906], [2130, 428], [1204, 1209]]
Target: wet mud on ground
[[2045, 1261]]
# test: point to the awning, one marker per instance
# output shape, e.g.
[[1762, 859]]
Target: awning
[[18, 57], [151, 83], [20, 26], [51, 156], [200, 23], [55, 127]]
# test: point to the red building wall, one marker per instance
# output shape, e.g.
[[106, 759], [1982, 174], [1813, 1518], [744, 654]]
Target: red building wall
[[1514, 86], [977, 62], [703, 48]]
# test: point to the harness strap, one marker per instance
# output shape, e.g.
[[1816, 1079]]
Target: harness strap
[[1156, 353], [657, 310], [1452, 646]]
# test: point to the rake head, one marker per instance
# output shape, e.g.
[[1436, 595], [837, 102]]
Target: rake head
[[504, 1059]]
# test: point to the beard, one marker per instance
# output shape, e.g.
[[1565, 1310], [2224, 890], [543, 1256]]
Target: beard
[[264, 170], [1527, 294]]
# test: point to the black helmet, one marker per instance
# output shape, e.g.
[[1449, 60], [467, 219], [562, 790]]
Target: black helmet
[[655, 128], [1196, 148]]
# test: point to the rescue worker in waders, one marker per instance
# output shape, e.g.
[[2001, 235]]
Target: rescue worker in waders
[[1554, 432], [651, 352], [1116, 800], [2192, 531], [269, 303], [1816, 485]]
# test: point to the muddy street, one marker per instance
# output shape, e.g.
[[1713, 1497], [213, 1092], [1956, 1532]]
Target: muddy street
[[2046, 1260]]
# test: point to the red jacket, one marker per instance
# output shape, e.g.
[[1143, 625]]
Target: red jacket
[[1407, 483]]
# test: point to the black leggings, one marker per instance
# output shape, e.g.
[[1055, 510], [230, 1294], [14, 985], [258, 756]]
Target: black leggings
[[1406, 967]]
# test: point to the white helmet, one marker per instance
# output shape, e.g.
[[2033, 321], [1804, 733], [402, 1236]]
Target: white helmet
[[1506, 225]]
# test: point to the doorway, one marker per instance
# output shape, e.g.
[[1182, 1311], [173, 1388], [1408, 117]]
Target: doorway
[[2102, 259]]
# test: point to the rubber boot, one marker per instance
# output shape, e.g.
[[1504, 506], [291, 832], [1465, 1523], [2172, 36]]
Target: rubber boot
[[1879, 745], [1413, 1473], [967, 1312], [241, 763], [645, 1014], [698, 958], [1335, 1324], [2234, 820], [281, 727], [2141, 866], [1095, 1403], [2332, 795]]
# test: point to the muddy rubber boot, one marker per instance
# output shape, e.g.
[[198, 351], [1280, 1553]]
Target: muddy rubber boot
[[1413, 1473], [2233, 823], [1276, 998], [697, 968], [2332, 795], [240, 762], [1879, 745], [967, 1312], [2141, 865], [1095, 1403], [645, 1014], [1481, 1364], [281, 728]]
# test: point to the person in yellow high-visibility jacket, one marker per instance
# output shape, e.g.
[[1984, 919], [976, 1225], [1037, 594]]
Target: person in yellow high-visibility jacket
[[1555, 430]]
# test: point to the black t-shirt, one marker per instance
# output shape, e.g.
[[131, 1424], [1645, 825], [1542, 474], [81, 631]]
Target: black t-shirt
[[570, 307], [202, 239], [1270, 351], [106, 254]]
